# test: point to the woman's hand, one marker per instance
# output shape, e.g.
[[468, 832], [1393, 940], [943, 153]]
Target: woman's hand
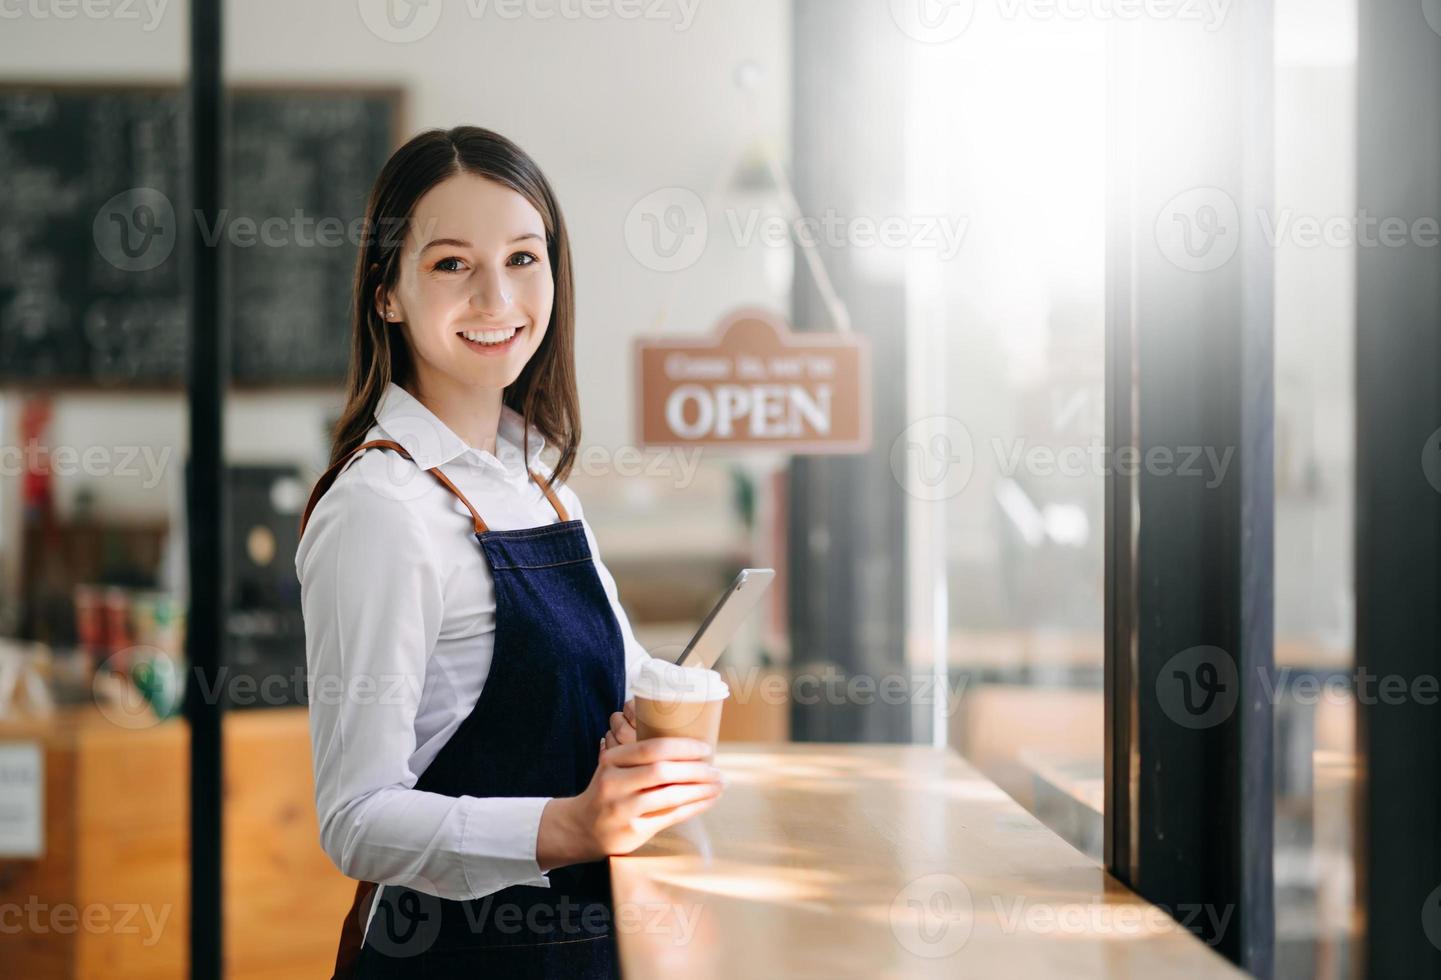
[[639, 789], [622, 728]]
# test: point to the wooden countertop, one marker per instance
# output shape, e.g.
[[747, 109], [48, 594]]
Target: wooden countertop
[[825, 860]]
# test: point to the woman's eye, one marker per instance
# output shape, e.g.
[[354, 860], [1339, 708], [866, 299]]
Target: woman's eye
[[451, 264], [530, 258]]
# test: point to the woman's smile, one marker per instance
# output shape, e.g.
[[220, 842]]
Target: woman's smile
[[492, 340]]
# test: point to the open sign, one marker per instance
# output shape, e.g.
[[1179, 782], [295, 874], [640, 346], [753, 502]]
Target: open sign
[[756, 384]]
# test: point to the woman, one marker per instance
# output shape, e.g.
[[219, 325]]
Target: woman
[[472, 736]]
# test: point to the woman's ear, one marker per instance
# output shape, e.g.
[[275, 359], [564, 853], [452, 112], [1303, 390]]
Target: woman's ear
[[385, 307]]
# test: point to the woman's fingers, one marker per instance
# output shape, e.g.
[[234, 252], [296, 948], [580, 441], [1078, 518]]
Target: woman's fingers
[[621, 729], [665, 798], [638, 779], [643, 753], [656, 822], [629, 711]]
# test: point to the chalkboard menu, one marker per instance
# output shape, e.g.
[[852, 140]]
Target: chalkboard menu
[[96, 228]]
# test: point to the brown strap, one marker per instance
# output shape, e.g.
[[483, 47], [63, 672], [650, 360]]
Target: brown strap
[[352, 932], [551, 496], [327, 479]]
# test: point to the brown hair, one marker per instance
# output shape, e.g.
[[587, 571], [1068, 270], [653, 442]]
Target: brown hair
[[545, 393]]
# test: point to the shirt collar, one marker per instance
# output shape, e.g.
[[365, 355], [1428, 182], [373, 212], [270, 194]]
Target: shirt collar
[[401, 416]]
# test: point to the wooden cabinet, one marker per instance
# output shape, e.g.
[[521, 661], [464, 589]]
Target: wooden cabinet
[[110, 896]]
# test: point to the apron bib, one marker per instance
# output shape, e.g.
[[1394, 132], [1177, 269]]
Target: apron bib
[[556, 676]]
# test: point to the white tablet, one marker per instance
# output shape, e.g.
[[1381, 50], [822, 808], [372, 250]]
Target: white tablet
[[716, 630]]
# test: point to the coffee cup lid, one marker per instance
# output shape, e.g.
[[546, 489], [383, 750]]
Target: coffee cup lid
[[660, 680]]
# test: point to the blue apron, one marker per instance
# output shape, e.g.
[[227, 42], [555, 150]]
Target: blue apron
[[556, 676]]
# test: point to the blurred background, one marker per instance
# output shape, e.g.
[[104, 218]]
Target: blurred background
[[965, 546]]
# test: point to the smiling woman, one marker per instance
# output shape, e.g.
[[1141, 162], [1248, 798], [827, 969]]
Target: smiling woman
[[479, 800]]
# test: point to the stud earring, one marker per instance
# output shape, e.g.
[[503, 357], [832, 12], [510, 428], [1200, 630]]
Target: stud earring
[[390, 314]]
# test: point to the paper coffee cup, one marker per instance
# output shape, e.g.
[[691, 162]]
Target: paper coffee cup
[[678, 701]]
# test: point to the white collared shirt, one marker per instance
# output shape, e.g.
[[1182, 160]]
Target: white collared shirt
[[399, 611]]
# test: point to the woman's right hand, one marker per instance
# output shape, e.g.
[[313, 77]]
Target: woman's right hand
[[637, 791]]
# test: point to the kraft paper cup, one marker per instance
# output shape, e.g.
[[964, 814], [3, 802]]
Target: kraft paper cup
[[672, 701]]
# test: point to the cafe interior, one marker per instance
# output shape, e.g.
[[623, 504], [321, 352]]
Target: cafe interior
[[1073, 364]]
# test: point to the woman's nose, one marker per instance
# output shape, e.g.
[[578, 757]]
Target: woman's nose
[[492, 293]]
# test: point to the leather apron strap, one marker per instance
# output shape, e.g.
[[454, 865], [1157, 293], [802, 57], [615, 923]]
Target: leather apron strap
[[327, 479]]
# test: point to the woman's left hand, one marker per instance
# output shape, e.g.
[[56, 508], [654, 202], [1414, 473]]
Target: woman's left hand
[[622, 728]]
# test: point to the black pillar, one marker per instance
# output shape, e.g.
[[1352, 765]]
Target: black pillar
[[205, 498], [1398, 490], [1189, 502]]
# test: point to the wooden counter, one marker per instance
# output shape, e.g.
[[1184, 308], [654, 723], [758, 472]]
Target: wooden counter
[[880, 861]]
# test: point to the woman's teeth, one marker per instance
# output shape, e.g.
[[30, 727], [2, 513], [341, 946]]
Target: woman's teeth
[[490, 336]]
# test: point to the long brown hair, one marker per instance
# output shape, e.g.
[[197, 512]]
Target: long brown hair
[[545, 393]]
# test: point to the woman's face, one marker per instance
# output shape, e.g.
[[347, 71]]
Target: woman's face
[[475, 289]]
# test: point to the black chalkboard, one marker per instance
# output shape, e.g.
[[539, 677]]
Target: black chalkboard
[[95, 230]]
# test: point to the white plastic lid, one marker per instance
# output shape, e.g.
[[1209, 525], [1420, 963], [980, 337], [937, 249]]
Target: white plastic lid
[[660, 680]]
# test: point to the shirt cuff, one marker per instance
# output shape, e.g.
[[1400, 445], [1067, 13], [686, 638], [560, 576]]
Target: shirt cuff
[[498, 843]]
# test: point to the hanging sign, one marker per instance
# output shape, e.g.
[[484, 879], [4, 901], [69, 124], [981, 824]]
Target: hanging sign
[[755, 384]]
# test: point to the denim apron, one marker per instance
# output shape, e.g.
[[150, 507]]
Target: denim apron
[[557, 674]]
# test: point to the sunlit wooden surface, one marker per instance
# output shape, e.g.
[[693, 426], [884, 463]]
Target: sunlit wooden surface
[[880, 861]]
